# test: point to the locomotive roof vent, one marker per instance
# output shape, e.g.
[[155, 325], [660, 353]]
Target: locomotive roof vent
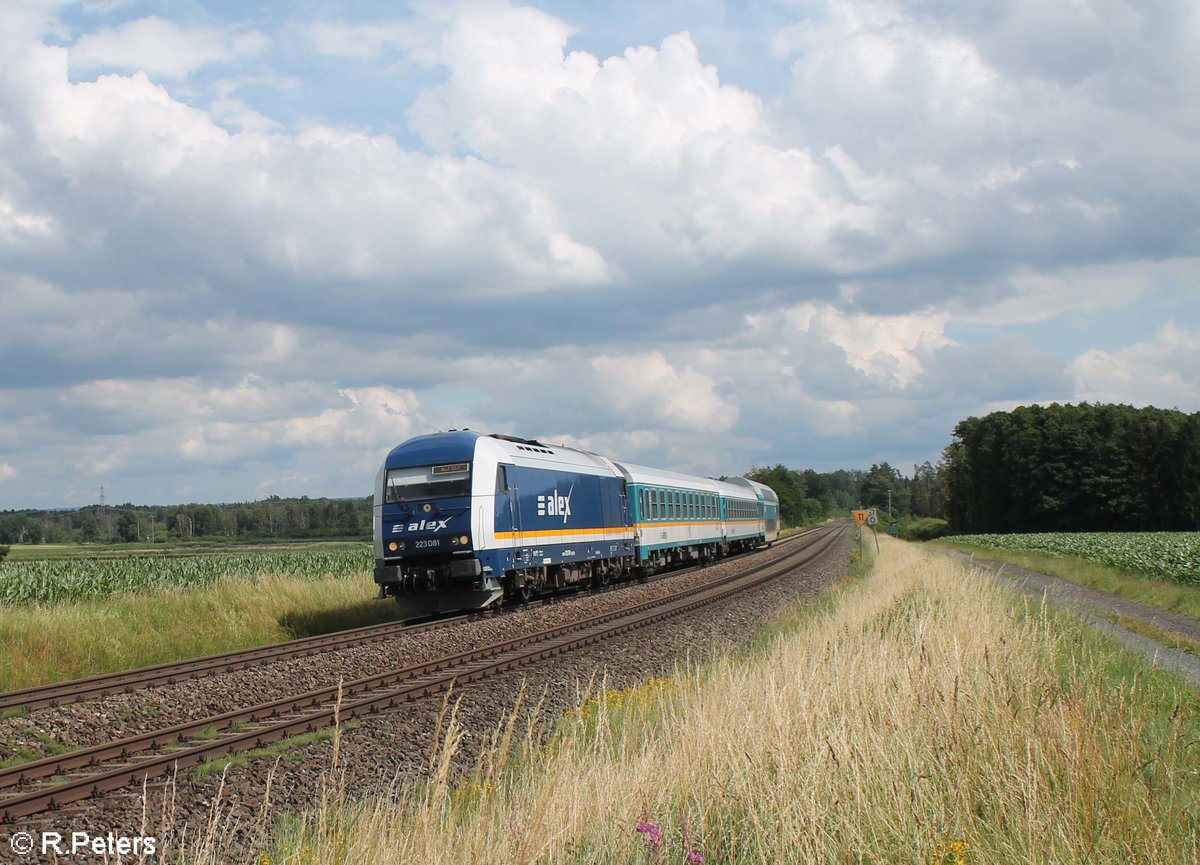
[[524, 444]]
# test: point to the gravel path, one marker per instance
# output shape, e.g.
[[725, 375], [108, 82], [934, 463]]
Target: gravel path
[[1091, 604], [395, 746]]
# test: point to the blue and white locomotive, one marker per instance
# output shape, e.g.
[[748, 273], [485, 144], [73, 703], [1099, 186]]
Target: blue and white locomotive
[[463, 520]]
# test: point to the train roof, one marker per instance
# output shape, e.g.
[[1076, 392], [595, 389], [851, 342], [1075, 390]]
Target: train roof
[[665, 478], [463, 445], [761, 491]]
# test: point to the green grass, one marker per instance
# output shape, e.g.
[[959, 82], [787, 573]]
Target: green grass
[[1161, 594], [1170, 639], [71, 639], [23, 754], [287, 748]]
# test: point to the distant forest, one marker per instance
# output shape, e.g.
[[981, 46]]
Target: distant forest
[[1037, 468], [269, 518]]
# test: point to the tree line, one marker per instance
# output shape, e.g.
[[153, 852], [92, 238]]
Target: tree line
[[268, 518], [1086, 467], [808, 496]]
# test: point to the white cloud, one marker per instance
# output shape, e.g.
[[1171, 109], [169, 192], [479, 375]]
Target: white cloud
[[7, 472], [1034, 295], [234, 112], [362, 41], [15, 223], [646, 385], [889, 348], [162, 48], [208, 288], [1163, 372], [657, 158]]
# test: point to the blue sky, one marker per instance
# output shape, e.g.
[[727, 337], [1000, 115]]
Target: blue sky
[[247, 248]]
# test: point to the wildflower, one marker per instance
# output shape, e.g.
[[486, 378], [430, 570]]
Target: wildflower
[[653, 833], [694, 857], [950, 853]]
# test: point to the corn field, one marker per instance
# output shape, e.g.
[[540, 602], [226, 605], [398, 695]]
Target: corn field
[[1162, 555], [50, 581]]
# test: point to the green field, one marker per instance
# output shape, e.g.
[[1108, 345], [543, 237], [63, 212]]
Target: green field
[[67, 573], [1158, 555]]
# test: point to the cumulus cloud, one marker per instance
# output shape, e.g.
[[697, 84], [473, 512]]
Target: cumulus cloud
[[233, 283], [162, 48], [1161, 371], [659, 158]]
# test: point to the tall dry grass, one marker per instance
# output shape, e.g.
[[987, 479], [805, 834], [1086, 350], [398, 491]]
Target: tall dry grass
[[920, 715]]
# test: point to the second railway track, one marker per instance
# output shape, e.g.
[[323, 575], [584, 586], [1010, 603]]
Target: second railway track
[[114, 765], [60, 693]]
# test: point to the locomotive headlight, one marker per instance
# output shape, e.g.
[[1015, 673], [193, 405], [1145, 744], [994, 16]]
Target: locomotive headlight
[[393, 546], [464, 540], [427, 507], [454, 542]]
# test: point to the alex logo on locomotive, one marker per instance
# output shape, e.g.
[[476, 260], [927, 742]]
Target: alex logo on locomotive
[[555, 505], [423, 526]]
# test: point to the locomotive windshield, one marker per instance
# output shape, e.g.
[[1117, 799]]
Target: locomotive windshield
[[428, 482]]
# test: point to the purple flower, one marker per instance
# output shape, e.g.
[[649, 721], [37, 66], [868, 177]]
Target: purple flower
[[653, 833], [695, 857]]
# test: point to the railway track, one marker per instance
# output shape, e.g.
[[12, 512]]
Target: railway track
[[38, 786], [30, 699]]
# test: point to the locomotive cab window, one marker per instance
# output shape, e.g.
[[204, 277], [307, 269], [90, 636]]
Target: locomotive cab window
[[452, 480]]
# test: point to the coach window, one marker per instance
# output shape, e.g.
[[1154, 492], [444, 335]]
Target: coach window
[[501, 479]]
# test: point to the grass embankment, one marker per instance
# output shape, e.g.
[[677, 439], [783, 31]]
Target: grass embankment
[[70, 639], [920, 715], [1170, 595]]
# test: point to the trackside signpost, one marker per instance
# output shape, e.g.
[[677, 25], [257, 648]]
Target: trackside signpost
[[866, 517]]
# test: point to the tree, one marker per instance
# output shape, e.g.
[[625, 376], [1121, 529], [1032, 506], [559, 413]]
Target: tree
[[1074, 468], [883, 485]]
